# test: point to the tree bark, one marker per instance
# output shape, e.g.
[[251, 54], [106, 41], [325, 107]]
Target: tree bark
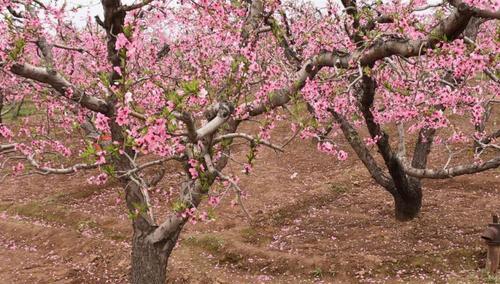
[[149, 260], [1, 107], [407, 201]]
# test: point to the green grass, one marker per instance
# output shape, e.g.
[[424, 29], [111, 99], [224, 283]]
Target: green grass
[[251, 235], [337, 188], [209, 243], [27, 109]]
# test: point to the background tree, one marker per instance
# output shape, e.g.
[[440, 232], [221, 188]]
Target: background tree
[[430, 67]]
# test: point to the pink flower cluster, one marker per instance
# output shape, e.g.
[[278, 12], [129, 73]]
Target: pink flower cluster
[[98, 180], [194, 168]]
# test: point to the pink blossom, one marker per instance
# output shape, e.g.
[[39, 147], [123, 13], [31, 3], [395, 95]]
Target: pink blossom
[[101, 158], [98, 180], [122, 116], [121, 41], [5, 132], [193, 168], [326, 147], [18, 169], [128, 98], [247, 168], [101, 123], [213, 200], [342, 155]]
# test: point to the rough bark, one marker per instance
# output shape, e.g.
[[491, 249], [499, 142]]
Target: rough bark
[[408, 202], [149, 260]]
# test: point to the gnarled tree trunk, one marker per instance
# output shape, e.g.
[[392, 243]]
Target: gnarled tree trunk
[[149, 256], [149, 260]]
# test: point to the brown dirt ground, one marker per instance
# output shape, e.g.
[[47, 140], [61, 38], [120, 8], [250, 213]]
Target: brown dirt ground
[[330, 224]]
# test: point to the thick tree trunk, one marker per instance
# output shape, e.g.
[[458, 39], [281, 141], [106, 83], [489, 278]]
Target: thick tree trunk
[[149, 261], [407, 205]]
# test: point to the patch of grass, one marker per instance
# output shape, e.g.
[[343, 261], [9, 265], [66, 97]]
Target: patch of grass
[[426, 263], [65, 196], [5, 205], [215, 246], [337, 188], [465, 257], [491, 279], [116, 237], [86, 224], [278, 218], [285, 215], [481, 277], [28, 108], [252, 236], [212, 244], [317, 273], [231, 257], [50, 213], [36, 210], [488, 278]]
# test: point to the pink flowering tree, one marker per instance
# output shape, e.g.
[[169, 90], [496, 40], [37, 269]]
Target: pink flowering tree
[[163, 81], [426, 72], [148, 84]]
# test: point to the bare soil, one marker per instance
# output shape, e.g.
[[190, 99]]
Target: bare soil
[[329, 224]]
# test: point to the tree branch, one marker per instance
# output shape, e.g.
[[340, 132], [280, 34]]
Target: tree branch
[[60, 84], [362, 152], [453, 171], [68, 170], [249, 138], [482, 13], [127, 8], [7, 147]]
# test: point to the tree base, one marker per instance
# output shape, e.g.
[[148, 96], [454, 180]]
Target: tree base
[[408, 208], [149, 263]]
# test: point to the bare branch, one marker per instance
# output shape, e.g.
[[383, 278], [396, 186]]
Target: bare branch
[[249, 138], [222, 113], [167, 229], [46, 49], [59, 83], [68, 170], [453, 171], [126, 8], [143, 189], [363, 153], [290, 54], [423, 8], [402, 143], [7, 147], [78, 49], [147, 165], [233, 184], [450, 28]]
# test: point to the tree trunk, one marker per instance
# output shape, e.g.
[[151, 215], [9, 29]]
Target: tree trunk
[[149, 261], [407, 203], [1, 107]]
